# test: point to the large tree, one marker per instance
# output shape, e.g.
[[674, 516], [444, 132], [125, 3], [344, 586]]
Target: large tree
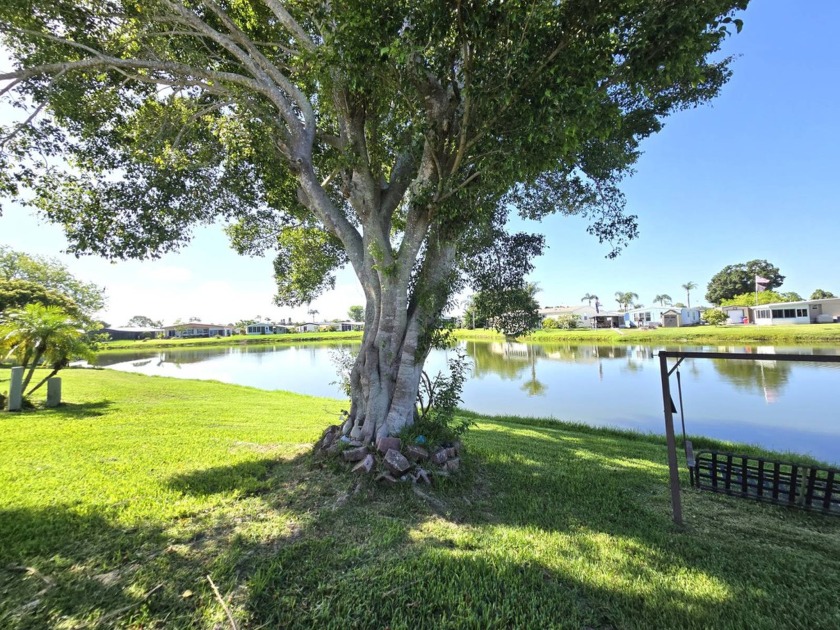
[[141, 321], [53, 276], [19, 293], [738, 279], [391, 135]]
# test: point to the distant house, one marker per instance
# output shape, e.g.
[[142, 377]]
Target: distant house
[[259, 328], [196, 329], [122, 333], [653, 316], [802, 312], [309, 327], [585, 313], [350, 326], [590, 317]]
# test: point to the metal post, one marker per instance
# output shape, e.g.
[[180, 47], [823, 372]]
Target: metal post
[[16, 389], [673, 466]]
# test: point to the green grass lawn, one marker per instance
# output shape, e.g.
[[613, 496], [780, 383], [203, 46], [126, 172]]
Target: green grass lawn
[[116, 506]]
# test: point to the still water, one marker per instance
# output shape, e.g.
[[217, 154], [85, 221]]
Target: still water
[[779, 405]]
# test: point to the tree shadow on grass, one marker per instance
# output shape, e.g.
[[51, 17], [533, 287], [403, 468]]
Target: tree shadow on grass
[[547, 530], [249, 477], [80, 566], [59, 566], [521, 540], [81, 410]]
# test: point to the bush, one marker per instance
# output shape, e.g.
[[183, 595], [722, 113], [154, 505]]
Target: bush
[[714, 316], [550, 324], [568, 321]]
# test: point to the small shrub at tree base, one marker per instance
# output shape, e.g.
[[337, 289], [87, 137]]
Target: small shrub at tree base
[[437, 403], [343, 361]]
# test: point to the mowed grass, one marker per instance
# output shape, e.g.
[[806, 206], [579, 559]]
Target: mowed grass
[[116, 507]]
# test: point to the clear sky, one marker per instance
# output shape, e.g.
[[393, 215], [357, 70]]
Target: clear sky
[[752, 175]]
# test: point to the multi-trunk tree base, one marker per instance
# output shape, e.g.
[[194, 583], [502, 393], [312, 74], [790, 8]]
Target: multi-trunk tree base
[[390, 460]]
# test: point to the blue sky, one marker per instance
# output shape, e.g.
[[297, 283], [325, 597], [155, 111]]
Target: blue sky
[[751, 175]]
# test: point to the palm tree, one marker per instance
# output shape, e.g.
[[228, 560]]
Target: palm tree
[[626, 298], [662, 299], [688, 286], [39, 333], [588, 298]]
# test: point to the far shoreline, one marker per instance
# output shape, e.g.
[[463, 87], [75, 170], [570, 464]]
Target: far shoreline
[[814, 334]]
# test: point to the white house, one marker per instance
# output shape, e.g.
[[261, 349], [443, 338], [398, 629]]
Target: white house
[[666, 316], [309, 327], [259, 328], [584, 312], [197, 329], [349, 326], [802, 312]]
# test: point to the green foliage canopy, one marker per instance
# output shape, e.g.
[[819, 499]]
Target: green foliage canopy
[[393, 136], [19, 293], [734, 280], [141, 321], [53, 277], [764, 297]]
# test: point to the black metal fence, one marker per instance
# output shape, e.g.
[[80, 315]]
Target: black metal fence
[[810, 488]]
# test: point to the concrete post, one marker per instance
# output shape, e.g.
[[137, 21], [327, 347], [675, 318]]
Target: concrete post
[[16, 389], [53, 392]]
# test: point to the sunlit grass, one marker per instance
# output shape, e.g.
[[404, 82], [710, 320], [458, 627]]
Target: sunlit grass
[[114, 508]]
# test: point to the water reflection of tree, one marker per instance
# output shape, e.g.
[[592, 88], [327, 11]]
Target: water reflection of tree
[[533, 387], [757, 376]]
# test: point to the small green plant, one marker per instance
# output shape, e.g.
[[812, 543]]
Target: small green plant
[[550, 324], [343, 360], [437, 402]]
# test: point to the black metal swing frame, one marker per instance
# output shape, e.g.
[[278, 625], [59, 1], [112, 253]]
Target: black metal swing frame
[[807, 487]]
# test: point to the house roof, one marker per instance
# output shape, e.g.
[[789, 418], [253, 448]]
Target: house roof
[[196, 325], [132, 329]]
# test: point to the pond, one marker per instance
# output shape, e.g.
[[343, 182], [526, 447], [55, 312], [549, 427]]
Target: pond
[[778, 405]]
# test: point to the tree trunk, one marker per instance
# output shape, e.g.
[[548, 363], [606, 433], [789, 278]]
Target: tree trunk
[[385, 378], [386, 375]]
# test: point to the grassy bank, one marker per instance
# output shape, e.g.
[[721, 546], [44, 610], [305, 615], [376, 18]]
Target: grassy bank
[[772, 335], [115, 507], [234, 340]]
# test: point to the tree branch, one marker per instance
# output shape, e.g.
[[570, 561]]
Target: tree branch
[[290, 23]]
